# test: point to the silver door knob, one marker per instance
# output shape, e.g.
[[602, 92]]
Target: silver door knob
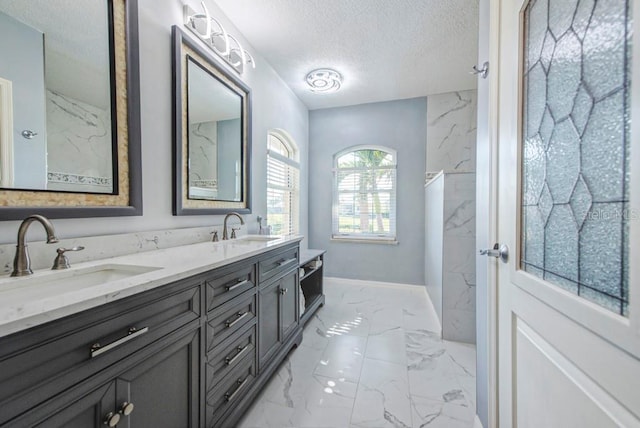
[[112, 419], [126, 408], [498, 251]]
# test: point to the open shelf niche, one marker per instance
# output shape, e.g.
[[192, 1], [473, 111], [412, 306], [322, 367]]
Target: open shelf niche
[[311, 264]]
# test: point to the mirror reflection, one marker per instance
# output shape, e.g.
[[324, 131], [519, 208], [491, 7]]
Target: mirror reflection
[[214, 137], [55, 96]]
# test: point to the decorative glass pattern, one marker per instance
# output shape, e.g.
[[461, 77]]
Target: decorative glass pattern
[[575, 175]]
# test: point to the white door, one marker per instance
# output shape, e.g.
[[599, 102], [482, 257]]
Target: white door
[[569, 212]]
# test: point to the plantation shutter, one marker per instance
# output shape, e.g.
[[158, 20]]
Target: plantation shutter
[[283, 178]]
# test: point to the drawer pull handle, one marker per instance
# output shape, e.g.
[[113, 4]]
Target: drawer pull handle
[[241, 383], [241, 351], [97, 349], [239, 316], [284, 291], [240, 283], [286, 262]]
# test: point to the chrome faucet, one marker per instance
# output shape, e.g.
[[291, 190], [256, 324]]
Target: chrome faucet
[[225, 235], [21, 262]]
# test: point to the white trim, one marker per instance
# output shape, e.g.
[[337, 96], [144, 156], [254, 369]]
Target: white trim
[[492, 278], [288, 141], [356, 239], [6, 133], [385, 149]]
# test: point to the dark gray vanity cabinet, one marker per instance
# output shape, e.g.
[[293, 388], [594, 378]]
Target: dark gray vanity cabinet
[[191, 354], [85, 367], [159, 391], [278, 303]]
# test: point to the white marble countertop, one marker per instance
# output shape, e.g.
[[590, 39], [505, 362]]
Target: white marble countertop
[[45, 296]]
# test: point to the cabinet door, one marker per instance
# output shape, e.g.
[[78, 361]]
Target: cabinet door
[[268, 323], [91, 410], [289, 304], [163, 390]]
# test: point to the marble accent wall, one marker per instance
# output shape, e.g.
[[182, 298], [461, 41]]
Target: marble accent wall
[[451, 148], [451, 132], [458, 258], [78, 145]]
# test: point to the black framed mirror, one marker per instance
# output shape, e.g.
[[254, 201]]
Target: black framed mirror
[[212, 133], [69, 109]]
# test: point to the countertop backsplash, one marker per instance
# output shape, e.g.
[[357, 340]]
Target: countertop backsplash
[[102, 247]]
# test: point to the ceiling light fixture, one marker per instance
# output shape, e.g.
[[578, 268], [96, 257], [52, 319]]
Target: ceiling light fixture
[[324, 80], [212, 33]]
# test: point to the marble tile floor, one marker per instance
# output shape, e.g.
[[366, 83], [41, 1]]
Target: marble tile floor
[[371, 358]]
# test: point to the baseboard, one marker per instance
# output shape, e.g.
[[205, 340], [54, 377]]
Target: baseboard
[[374, 283], [477, 423]]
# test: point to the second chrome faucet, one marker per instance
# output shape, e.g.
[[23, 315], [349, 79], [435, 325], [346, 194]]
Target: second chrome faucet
[[225, 235]]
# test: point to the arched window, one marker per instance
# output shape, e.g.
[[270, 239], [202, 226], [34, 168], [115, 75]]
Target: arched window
[[364, 194], [283, 183]]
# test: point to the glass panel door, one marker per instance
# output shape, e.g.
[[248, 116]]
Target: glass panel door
[[575, 160]]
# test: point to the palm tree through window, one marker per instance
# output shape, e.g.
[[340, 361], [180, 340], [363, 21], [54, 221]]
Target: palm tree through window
[[364, 196]]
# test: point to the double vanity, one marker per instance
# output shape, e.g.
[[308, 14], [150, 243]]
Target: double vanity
[[178, 337]]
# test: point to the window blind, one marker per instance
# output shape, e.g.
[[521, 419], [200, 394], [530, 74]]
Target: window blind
[[283, 178], [364, 202]]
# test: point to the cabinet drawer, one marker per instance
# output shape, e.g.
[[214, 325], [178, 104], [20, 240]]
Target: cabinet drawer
[[41, 362], [229, 354], [229, 318], [222, 288], [230, 391], [278, 263]]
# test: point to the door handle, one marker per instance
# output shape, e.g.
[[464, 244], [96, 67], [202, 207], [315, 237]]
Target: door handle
[[498, 251]]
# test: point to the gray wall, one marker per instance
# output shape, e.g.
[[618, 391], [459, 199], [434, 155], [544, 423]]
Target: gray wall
[[274, 106], [400, 125], [229, 133], [21, 50]]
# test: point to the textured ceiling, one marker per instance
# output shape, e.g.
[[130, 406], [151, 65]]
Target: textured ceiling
[[78, 30], [385, 49]]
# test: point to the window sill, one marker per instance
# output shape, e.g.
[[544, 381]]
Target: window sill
[[354, 240]]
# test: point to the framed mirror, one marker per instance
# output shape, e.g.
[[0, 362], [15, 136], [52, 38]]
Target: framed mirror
[[212, 133], [69, 109]]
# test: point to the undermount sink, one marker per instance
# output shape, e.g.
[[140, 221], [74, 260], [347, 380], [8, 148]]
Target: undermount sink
[[252, 239], [74, 279]]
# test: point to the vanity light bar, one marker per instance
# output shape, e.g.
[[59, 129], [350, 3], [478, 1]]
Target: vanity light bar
[[212, 33]]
